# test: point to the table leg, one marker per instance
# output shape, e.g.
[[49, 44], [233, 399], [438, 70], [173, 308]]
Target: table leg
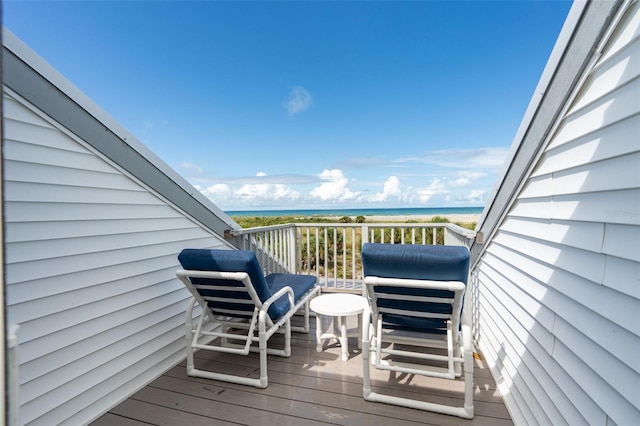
[[359, 331], [318, 332], [344, 338]]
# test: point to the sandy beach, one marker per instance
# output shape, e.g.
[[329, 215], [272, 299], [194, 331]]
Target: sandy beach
[[453, 218]]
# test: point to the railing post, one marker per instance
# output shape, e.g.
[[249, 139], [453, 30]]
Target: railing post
[[293, 258], [365, 234]]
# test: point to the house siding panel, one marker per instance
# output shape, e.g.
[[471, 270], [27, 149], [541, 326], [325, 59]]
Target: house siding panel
[[568, 254], [90, 277], [609, 142]]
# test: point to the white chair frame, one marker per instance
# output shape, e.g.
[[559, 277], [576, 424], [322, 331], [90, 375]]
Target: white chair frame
[[199, 338], [457, 343]]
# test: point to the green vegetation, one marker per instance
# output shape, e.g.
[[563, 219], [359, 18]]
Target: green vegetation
[[257, 221]]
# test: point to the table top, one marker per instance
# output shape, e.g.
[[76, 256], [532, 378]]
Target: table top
[[338, 304]]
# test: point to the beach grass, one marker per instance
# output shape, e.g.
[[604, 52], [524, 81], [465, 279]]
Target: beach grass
[[465, 221]]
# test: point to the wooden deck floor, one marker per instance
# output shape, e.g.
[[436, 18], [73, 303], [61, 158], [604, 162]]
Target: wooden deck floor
[[309, 388]]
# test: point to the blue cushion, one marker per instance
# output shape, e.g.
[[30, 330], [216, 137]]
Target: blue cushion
[[243, 261], [413, 261], [300, 284], [423, 262]]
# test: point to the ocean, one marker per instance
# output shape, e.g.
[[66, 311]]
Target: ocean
[[440, 211]]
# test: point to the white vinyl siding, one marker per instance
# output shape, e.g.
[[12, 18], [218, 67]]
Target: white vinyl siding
[[90, 272], [559, 282]]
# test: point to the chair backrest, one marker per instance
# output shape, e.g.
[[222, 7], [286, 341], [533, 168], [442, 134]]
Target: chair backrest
[[216, 291], [412, 307]]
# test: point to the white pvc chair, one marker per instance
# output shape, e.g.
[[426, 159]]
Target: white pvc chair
[[233, 292], [416, 293]]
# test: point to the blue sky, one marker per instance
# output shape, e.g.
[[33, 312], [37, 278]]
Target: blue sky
[[277, 105]]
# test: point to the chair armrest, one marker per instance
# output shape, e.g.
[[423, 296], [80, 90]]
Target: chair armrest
[[428, 284], [232, 276], [277, 295]]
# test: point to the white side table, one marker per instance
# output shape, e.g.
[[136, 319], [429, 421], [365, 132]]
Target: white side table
[[339, 306]]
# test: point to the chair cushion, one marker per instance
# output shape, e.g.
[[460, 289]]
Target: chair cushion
[[300, 284], [244, 261], [231, 261], [423, 262]]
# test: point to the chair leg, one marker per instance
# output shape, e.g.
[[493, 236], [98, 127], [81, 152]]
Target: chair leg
[[366, 351], [468, 370], [369, 352], [190, 335], [306, 317], [287, 338], [262, 344]]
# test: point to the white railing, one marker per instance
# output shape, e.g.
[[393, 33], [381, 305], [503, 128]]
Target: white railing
[[331, 251]]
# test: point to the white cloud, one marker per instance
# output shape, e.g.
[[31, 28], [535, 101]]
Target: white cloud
[[251, 194], [477, 196], [218, 192], [391, 189], [459, 182], [473, 197], [335, 187], [267, 191], [299, 100], [257, 193], [435, 188]]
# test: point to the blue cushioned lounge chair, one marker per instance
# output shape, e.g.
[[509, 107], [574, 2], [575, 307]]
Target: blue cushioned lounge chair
[[416, 294], [234, 294]]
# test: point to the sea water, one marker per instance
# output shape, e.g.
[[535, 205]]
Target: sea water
[[436, 211]]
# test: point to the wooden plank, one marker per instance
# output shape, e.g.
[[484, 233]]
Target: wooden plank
[[111, 419], [328, 385], [155, 414], [266, 407], [309, 386]]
